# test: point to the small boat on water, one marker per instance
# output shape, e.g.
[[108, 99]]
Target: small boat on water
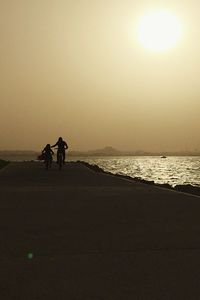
[[163, 156]]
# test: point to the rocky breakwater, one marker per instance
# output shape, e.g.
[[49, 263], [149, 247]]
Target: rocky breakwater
[[190, 189]]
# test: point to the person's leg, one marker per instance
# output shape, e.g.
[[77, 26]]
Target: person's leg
[[57, 157], [50, 161], [63, 157]]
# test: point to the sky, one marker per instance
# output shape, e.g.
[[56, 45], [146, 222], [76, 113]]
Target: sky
[[77, 69]]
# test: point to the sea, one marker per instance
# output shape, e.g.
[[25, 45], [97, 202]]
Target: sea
[[173, 170]]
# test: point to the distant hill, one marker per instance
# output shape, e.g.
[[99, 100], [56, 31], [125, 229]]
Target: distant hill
[[106, 151], [18, 155], [17, 152], [110, 151]]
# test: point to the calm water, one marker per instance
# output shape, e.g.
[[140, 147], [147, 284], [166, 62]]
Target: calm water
[[171, 170]]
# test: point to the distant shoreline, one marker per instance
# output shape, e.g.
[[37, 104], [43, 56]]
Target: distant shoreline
[[86, 154], [106, 151]]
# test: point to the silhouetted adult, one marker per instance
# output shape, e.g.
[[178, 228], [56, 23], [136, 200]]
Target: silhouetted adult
[[62, 146]]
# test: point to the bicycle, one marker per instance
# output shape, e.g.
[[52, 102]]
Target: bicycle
[[47, 161], [60, 159]]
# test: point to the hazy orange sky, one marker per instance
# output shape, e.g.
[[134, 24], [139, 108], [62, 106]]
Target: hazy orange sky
[[76, 69]]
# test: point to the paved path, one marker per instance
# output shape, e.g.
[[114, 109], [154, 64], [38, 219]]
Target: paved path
[[77, 234]]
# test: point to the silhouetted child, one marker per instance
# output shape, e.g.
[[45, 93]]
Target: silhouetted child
[[47, 152]]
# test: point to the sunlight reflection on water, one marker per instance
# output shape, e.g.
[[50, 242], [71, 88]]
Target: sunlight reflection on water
[[173, 170]]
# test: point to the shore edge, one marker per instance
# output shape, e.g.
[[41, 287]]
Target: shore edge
[[189, 189]]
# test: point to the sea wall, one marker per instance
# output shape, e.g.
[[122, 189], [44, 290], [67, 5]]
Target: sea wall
[[190, 189], [3, 163]]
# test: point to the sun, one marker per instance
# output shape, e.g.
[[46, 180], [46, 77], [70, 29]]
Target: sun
[[159, 30]]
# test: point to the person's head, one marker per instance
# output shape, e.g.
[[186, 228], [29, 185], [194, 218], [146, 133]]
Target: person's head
[[48, 146], [60, 139]]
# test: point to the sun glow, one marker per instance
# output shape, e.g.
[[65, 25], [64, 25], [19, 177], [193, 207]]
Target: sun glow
[[159, 30]]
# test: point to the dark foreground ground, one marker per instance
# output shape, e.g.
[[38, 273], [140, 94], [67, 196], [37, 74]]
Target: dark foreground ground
[[77, 234]]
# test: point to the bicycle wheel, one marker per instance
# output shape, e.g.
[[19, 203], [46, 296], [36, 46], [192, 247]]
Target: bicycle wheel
[[60, 161], [47, 163]]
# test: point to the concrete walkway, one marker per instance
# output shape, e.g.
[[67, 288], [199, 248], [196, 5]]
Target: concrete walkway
[[76, 234]]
